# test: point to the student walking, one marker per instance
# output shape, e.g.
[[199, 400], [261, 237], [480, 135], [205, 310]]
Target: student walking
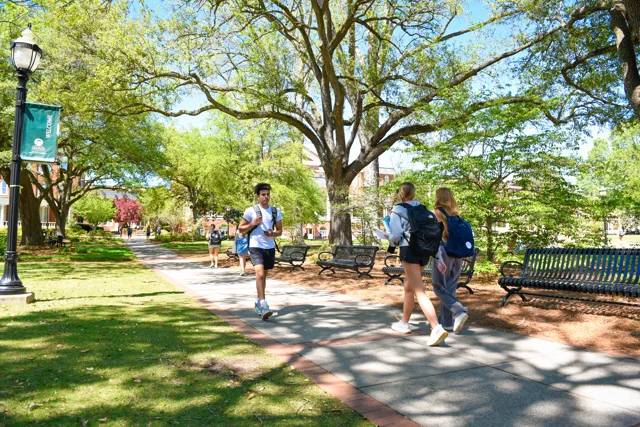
[[214, 239], [262, 222], [129, 232], [413, 286], [447, 269], [148, 232], [242, 247]]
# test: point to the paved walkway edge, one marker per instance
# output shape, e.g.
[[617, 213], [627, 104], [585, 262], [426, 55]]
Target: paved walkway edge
[[370, 408]]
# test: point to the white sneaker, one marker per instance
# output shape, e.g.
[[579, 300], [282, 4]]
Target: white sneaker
[[438, 335], [211, 266], [265, 311], [258, 309], [401, 327], [458, 322]]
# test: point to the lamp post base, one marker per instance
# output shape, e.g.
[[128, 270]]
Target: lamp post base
[[26, 298]]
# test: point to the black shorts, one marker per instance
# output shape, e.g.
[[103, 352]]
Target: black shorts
[[264, 257], [407, 256]]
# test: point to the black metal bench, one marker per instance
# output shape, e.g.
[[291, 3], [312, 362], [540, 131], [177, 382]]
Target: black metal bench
[[612, 272], [232, 255], [397, 272], [357, 258], [294, 255]]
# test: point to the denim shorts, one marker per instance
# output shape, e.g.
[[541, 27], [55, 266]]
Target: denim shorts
[[264, 257], [407, 256]]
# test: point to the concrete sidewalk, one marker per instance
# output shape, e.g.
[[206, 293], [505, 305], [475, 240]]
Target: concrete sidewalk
[[481, 377]]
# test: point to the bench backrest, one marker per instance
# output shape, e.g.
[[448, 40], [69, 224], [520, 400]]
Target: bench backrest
[[349, 253], [295, 251], [584, 265], [467, 266]]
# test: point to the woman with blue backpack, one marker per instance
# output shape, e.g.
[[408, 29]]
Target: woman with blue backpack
[[414, 228], [457, 243]]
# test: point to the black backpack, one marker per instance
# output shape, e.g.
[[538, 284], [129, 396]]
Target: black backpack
[[425, 233], [215, 238]]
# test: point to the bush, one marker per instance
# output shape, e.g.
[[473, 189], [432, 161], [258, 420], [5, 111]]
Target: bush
[[3, 240], [82, 250], [75, 239], [64, 250], [484, 266], [163, 238], [101, 233]]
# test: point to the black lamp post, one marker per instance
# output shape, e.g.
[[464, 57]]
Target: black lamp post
[[603, 194], [25, 55]]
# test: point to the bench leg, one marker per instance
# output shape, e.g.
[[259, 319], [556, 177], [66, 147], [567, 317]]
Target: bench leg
[[293, 268], [366, 273], [394, 277], [326, 268], [466, 286], [512, 292]]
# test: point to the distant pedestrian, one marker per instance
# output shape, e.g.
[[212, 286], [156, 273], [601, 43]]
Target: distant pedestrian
[[263, 222], [148, 232], [413, 286], [242, 247], [621, 233], [129, 232], [447, 269], [214, 239]]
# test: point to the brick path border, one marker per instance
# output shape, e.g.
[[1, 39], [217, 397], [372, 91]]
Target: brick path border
[[368, 407]]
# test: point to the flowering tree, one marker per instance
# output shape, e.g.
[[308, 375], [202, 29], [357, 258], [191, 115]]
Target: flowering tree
[[127, 210]]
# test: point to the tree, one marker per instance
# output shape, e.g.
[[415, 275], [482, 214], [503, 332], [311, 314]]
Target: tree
[[503, 172], [95, 209], [127, 210], [96, 151], [593, 59], [153, 201], [359, 73]]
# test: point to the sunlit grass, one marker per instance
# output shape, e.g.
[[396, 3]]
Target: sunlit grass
[[110, 343]]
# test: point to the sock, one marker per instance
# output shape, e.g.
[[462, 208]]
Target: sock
[[263, 302], [402, 323]]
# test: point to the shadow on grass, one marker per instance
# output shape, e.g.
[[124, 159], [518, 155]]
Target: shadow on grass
[[152, 364]]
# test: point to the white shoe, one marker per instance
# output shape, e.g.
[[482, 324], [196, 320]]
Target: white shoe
[[257, 309], [401, 327], [458, 322], [211, 266], [265, 311], [438, 335]]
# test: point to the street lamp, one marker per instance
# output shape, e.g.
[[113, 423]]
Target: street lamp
[[603, 194], [25, 56]]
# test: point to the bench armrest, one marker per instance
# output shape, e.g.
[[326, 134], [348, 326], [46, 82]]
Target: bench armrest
[[511, 268], [297, 256], [368, 259], [388, 257], [325, 253]]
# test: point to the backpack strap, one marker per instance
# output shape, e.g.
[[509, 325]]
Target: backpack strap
[[444, 212], [274, 217], [407, 206]]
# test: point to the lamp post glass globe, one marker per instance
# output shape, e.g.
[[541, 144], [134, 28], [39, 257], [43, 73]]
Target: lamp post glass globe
[[25, 53]]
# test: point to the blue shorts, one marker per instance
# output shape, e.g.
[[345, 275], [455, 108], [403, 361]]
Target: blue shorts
[[242, 245], [407, 256], [264, 257]]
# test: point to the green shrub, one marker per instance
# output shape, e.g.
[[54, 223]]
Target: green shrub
[[484, 266], [163, 238], [3, 240], [100, 233], [75, 239], [82, 250], [63, 250]]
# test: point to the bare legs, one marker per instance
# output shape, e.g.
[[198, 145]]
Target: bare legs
[[243, 262], [261, 280], [413, 287], [213, 256]]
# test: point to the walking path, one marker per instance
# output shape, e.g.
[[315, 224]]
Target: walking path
[[481, 377]]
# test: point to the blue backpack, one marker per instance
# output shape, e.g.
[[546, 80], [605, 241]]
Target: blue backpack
[[460, 240]]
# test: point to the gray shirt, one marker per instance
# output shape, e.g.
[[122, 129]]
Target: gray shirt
[[399, 225]]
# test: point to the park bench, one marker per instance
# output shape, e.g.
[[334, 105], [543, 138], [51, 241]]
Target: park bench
[[357, 258], [294, 255], [397, 272], [603, 271], [233, 256]]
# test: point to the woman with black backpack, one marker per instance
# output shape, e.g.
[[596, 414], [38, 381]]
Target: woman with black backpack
[[214, 239], [399, 234], [448, 266]]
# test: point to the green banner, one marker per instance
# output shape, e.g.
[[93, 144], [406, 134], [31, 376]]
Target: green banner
[[40, 133]]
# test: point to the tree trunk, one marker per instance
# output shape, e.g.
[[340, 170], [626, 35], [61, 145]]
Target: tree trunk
[[61, 219], [29, 213], [490, 251], [626, 55], [340, 229]]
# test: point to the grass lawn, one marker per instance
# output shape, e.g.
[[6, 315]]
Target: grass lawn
[[109, 343]]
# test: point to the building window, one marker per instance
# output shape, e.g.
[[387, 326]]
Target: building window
[[323, 232], [386, 179], [4, 189]]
